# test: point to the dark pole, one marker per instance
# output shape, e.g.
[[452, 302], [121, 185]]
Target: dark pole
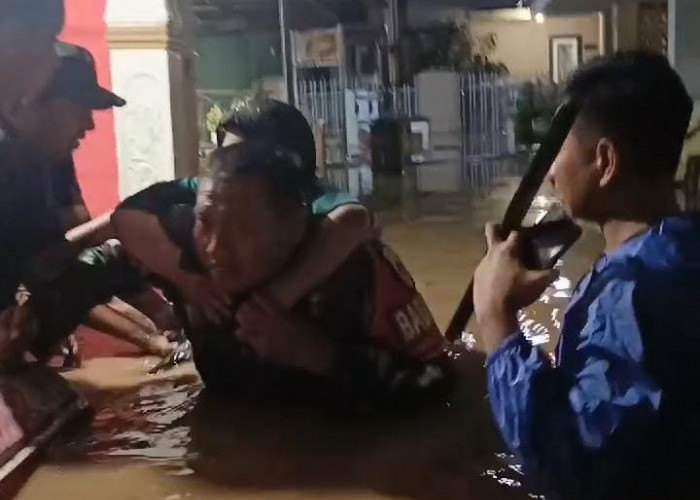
[[286, 58], [520, 203], [393, 32]]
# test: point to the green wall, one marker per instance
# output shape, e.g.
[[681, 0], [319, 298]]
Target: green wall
[[233, 62]]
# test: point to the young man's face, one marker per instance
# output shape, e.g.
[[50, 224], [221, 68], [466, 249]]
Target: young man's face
[[66, 124], [55, 127], [241, 235], [574, 174]]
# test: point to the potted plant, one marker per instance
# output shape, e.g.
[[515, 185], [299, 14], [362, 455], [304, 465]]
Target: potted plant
[[534, 110], [215, 116]]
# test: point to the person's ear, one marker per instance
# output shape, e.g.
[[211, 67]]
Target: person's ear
[[607, 161]]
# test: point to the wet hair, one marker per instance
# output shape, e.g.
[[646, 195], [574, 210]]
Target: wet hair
[[34, 14], [280, 168], [277, 122], [638, 101]]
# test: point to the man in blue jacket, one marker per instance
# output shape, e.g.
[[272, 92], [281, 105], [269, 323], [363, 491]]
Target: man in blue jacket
[[616, 415]]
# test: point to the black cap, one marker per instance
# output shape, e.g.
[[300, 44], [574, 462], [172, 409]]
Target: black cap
[[277, 122], [75, 80]]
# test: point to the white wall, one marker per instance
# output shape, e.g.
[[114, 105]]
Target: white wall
[[524, 46], [438, 100]]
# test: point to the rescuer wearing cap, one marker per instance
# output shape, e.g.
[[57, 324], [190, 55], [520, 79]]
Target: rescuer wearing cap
[[62, 117]]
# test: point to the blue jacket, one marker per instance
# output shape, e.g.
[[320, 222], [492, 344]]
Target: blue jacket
[[616, 416]]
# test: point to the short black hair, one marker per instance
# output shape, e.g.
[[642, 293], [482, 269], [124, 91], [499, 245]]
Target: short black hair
[[275, 121], [34, 14], [280, 168], [639, 101]]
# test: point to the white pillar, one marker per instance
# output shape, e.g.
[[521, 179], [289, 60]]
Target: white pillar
[[151, 58]]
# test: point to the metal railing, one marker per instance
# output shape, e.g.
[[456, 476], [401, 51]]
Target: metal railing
[[487, 106], [329, 101], [326, 99], [323, 100]]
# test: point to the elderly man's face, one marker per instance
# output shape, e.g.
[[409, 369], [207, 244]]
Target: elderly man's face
[[241, 234]]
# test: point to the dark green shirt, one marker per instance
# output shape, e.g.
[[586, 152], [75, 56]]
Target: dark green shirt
[[160, 198], [173, 203]]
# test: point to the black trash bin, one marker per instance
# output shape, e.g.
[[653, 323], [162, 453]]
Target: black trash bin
[[388, 138]]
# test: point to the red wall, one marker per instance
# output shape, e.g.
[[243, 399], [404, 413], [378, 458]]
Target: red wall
[[96, 160]]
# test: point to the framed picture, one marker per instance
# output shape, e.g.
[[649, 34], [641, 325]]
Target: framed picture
[[566, 54], [317, 48]]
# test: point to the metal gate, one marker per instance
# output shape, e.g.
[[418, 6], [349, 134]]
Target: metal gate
[[341, 109], [487, 106]]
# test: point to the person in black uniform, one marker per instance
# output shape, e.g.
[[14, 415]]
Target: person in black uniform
[[65, 116], [28, 29]]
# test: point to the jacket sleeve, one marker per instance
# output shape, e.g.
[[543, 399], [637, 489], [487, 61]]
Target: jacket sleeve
[[567, 424]]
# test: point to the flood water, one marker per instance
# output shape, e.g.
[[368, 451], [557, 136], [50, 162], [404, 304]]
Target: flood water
[[163, 438]]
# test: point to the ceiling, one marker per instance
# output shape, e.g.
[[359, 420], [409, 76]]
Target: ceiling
[[241, 15], [573, 6]]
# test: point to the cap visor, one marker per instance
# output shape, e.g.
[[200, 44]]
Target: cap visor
[[103, 99]]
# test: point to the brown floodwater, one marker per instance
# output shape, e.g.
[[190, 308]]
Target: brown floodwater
[[161, 437]]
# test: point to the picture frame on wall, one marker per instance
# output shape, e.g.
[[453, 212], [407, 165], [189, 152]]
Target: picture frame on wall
[[566, 54]]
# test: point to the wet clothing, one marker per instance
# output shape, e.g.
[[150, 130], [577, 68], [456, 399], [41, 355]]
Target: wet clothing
[[114, 270], [618, 414], [34, 192], [28, 222], [160, 198], [30, 225], [65, 190], [388, 349], [173, 202]]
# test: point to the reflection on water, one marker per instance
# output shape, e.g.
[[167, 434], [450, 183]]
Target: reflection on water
[[185, 438], [144, 425], [169, 440]]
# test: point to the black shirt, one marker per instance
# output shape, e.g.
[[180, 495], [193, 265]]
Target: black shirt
[[29, 223]]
